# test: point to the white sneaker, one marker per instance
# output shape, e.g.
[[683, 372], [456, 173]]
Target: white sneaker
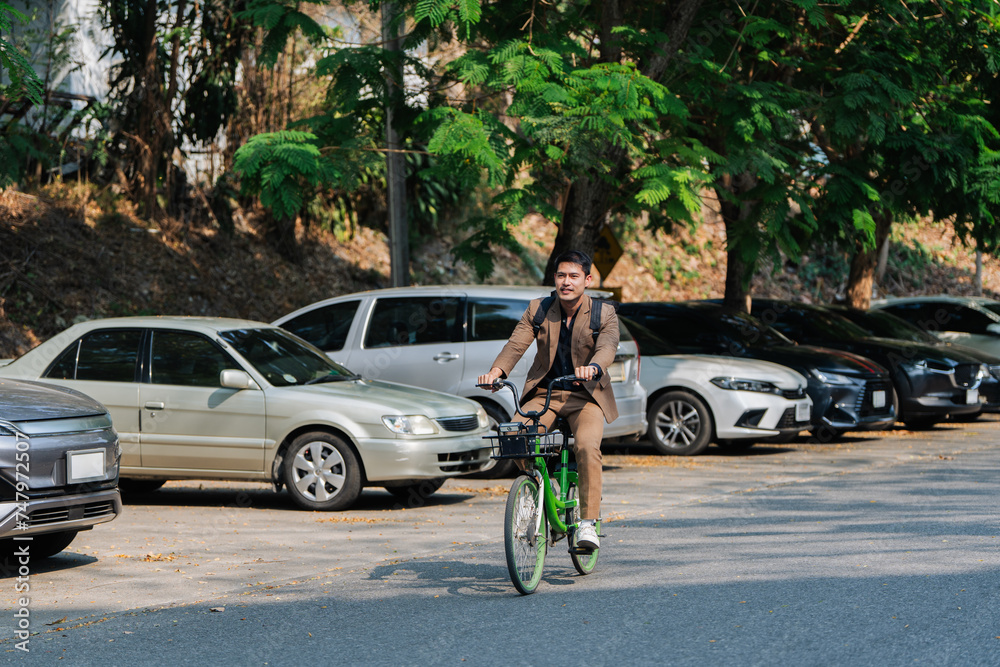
[[586, 536]]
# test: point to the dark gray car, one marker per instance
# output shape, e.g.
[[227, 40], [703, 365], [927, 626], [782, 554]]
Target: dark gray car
[[59, 457]]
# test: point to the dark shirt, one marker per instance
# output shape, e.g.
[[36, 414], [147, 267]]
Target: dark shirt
[[563, 362]]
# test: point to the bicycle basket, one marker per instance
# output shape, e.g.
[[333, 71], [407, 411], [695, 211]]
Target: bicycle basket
[[524, 441]]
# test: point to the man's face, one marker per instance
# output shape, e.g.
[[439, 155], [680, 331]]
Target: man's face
[[571, 281]]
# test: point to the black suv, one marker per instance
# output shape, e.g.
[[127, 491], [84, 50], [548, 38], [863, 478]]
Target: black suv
[[848, 392]]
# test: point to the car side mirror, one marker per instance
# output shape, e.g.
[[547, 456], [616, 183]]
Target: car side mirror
[[994, 328], [232, 378]]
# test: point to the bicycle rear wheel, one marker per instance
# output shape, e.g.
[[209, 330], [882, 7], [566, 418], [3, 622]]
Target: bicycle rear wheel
[[583, 561], [525, 552]]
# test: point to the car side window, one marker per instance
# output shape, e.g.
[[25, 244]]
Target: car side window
[[956, 317], [414, 321], [187, 359], [920, 314], [494, 319], [100, 356], [325, 327]]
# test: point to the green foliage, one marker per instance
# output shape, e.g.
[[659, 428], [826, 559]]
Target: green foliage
[[280, 19], [23, 79], [283, 168]]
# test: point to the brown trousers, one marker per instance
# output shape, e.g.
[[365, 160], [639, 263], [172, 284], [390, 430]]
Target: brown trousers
[[586, 419]]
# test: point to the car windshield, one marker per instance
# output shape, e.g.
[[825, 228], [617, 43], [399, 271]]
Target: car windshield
[[649, 343], [992, 306], [749, 330], [887, 325], [284, 359]]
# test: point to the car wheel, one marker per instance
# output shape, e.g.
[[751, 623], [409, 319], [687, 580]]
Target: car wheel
[[679, 424], [415, 493], [322, 472], [41, 546], [502, 467], [135, 487]]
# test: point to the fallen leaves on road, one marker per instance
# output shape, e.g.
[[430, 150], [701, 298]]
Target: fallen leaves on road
[[484, 491], [356, 519], [155, 558]]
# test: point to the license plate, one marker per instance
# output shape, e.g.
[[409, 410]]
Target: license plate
[[85, 466], [802, 412], [878, 398], [971, 396]]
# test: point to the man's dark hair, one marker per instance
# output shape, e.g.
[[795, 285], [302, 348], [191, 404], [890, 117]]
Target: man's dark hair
[[575, 257]]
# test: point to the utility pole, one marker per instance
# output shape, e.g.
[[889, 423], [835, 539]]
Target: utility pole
[[399, 242]]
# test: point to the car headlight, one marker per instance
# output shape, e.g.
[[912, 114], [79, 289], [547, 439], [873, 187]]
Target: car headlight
[[484, 419], [830, 378], [410, 424], [737, 384]]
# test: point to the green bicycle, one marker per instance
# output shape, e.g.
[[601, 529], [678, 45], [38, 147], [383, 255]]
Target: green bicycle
[[542, 505]]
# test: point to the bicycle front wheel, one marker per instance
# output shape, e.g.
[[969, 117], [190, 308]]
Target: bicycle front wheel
[[583, 561], [525, 551]]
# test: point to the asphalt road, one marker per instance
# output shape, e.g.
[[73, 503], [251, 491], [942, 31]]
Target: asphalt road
[[874, 550]]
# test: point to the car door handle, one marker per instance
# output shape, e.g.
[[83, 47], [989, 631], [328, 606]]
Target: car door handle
[[155, 405], [445, 356]]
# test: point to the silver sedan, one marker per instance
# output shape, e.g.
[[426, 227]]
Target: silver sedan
[[207, 398]]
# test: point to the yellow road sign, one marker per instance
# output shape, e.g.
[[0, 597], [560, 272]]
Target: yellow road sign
[[607, 252]]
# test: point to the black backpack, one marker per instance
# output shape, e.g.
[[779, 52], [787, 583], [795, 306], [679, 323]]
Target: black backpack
[[543, 310]]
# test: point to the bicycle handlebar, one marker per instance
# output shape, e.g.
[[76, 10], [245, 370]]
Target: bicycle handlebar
[[534, 415]]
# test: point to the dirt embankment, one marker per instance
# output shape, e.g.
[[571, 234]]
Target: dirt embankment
[[64, 258]]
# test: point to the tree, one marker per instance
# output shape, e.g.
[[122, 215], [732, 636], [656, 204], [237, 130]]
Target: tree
[[559, 120], [23, 79]]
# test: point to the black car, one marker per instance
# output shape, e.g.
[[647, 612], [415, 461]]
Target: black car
[[884, 324], [931, 383], [848, 392]]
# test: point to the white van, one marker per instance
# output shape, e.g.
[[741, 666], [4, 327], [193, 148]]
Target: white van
[[444, 338]]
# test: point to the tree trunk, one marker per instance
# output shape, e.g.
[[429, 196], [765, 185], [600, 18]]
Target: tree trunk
[[862, 274], [590, 200], [584, 214], [735, 213]]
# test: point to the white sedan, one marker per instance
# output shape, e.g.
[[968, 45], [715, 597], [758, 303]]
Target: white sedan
[[206, 398], [696, 399]]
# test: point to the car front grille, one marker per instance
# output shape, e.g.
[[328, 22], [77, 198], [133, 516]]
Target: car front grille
[[471, 461], [793, 394], [788, 420], [93, 510], [465, 423], [966, 375], [864, 403]]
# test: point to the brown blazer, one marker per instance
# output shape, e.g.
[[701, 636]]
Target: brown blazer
[[584, 350]]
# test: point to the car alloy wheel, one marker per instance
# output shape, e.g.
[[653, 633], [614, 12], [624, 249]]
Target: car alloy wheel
[[322, 472], [679, 424]]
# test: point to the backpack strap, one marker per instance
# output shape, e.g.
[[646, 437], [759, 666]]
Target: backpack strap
[[543, 310], [595, 317]]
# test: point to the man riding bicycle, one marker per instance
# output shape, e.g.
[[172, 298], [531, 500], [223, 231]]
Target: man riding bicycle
[[567, 347]]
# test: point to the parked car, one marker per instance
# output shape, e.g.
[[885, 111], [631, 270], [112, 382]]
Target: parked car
[[443, 338], [969, 321], [696, 399], [848, 392], [884, 324], [203, 398], [931, 384], [59, 456]]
